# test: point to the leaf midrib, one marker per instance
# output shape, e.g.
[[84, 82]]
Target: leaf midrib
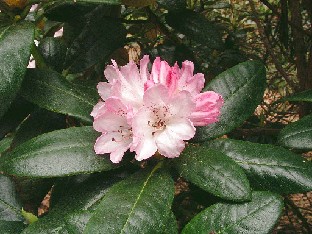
[[16, 211], [139, 196], [297, 132], [269, 165]]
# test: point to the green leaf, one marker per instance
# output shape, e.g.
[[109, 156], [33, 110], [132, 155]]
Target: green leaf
[[55, 154], [242, 88], [17, 112], [15, 45], [5, 144], [51, 91], [214, 172], [305, 96], [53, 51], [75, 206], [171, 226], [257, 216], [11, 220], [108, 2], [11, 227], [138, 3], [139, 204], [268, 167], [196, 27], [98, 39], [297, 135], [36, 124], [10, 206], [29, 217]]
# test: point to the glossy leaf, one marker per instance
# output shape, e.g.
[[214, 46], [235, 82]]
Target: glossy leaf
[[196, 27], [139, 204], [59, 153], [214, 172], [15, 44], [11, 221], [98, 39], [257, 216], [297, 135], [305, 96], [5, 144], [242, 88], [51, 91], [75, 206], [53, 51], [171, 226], [138, 3], [39, 122], [268, 167], [18, 111]]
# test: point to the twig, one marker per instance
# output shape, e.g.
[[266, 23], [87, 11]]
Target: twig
[[276, 12], [295, 209], [268, 47]]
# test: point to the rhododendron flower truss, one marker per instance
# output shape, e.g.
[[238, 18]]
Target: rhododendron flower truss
[[147, 112]]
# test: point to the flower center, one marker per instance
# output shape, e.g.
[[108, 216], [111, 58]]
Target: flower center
[[161, 115]]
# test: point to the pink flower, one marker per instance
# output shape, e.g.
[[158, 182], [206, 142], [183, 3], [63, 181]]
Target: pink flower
[[149, 112], [162, 123]]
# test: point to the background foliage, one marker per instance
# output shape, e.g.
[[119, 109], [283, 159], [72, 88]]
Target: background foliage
[[235, 176]]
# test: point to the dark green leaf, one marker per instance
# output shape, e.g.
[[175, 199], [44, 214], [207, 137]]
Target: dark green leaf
[[256, 217], [108, 2], [171, 226], [172, 4], [75, 206], [138, 3], [11, 221], [10, 207], [15, 45], [139, 204], [196, 27], [214, 172], [39, 122], [98, 39], [18, 111], [242, 88], [53, 51], [297, 135], [268, 167], [53, 92], [11, 227], [55, 154], [5, 144], [305, 96]]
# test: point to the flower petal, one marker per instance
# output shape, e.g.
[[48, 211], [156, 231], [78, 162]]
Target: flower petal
[[168, 144], [144, 69], [146, 148], [207, 111], [112, 143], [109, 121], [182, 127], [156, 95], [104, 89], [98, 109], [112, 73], [182, 104]]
